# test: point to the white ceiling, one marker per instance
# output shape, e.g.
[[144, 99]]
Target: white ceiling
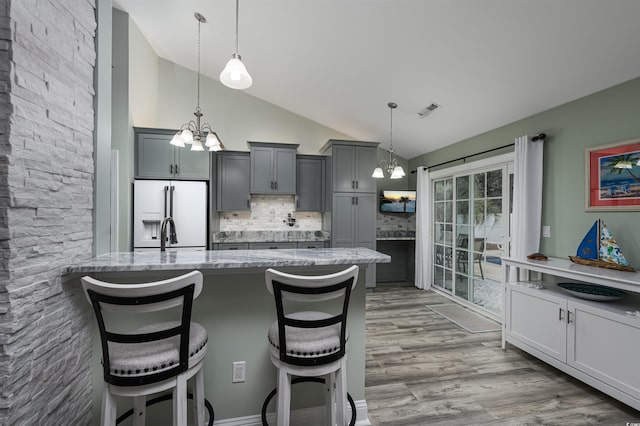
[[338, 62]]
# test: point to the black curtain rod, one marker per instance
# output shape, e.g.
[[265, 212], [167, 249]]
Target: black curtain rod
[[538, 137]]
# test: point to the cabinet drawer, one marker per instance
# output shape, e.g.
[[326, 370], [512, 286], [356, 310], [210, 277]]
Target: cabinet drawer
[[311, 244], [231, 246], [263, 246]]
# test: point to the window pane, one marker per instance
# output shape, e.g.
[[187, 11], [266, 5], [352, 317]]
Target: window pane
[[494, 183], [479, 185], [462, 212], [439, 212], [494, 208], [438, 277], [439, 190], [448, 212], [462, 187], [478, 212], [462, 286], [448, 189], [448, 279]]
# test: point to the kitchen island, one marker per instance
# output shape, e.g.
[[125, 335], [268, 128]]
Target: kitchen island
[[236, 309]]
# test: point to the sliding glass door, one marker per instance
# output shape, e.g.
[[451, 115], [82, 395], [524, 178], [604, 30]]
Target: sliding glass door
[[470, 234]]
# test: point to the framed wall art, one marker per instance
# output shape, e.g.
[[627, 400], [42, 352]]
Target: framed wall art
[[612, 175]]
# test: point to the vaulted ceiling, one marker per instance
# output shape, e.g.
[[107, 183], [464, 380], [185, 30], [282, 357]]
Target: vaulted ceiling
[[338, 62]]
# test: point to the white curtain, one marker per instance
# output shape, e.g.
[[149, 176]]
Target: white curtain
[[424, 244], [527, 197]]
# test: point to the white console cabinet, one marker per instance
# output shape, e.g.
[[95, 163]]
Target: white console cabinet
[[596, 342]]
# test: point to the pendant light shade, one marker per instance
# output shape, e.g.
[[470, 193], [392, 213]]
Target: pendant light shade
[[391, 166], [235, 74]]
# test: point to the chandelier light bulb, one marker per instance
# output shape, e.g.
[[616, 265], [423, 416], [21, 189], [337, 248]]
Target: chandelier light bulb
[[196, 145], [186, 136], [377, 173], [177, 140]]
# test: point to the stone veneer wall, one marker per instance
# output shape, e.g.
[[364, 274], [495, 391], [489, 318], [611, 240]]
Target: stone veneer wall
[[269, 213], [47, 61]]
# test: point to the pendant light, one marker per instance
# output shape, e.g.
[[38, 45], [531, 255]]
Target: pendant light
[[391, 166], [235, 74], [191, 133]]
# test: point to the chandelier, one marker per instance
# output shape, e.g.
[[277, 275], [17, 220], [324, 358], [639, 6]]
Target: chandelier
[[391, 166], [193, 132]]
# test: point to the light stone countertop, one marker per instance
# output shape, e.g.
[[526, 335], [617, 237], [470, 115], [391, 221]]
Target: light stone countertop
[[226, 259], [382, 235], [269, 236]]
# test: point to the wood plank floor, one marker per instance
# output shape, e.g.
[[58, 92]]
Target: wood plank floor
[[424, 370]]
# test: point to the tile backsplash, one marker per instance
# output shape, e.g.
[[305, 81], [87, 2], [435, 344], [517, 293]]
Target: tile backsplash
[[395, 222], [270, 213]]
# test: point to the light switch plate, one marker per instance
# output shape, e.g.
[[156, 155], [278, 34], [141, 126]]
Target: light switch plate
[[546, 231]]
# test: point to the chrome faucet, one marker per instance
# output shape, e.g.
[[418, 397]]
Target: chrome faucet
[[173, 237]]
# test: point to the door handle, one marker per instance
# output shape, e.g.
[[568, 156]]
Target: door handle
[[353, 184], [177, 170], [173, 188], [356, 184], [568, 317], [248, 204], [276, 184], [560, 310], [171, 168], [353, 200], [356, 201], [271, 184], [166, 189]]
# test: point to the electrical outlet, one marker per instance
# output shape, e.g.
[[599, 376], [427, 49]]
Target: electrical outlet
[[238, 372], [546, 231]]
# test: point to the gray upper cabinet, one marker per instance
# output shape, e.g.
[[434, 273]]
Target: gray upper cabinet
[[310, 183], [273, 168], [157, 159], [232, 181], [353, 164]]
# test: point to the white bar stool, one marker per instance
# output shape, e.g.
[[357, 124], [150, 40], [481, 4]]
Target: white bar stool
[[155, 357], [311, 343]]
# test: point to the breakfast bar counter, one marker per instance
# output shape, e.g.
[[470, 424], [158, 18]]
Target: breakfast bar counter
[[236, 309]]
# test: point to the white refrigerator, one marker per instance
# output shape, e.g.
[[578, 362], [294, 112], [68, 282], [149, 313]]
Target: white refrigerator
[[184, 201]]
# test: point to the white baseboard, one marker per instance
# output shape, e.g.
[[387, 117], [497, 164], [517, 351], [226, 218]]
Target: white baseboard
[[313, 416]]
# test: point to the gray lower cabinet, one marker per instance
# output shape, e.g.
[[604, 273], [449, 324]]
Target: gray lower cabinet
[[276, 245], [156, 158], [273, 168], [231, 246], [312, 244], [310, 183], [232, 181], [353, 224]]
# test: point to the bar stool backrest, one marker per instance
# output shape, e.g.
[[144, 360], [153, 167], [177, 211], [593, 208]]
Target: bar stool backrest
[[311, 289], [144, 298]]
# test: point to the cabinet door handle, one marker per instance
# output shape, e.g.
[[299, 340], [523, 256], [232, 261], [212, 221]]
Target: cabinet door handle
[[353, 184], [276, 185], [248, 204], [356, 200], [177, 172], [356, 184], [233, 248], [273, 247], [560, 310], [171, 168], [353, 200], [568, 317]]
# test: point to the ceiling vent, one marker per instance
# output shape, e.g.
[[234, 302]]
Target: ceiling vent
[[428, 110]]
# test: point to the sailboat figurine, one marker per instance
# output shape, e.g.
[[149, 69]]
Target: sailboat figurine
[[598, 248]]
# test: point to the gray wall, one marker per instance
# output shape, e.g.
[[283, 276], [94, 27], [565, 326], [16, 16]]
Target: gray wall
[[604, 117], [46, 208]]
